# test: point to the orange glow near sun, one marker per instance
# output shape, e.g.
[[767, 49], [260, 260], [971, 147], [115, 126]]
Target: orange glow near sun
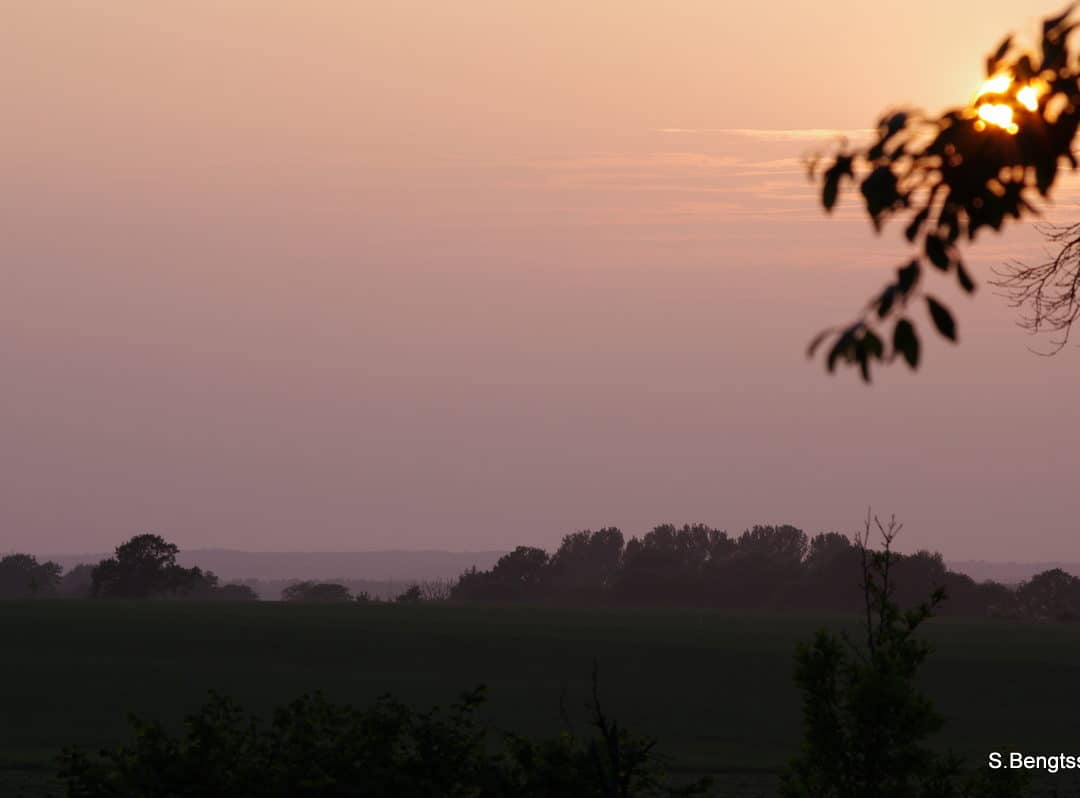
[[996, 110]]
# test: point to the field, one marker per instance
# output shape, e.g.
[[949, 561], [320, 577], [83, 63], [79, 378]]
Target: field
[[714, 688]]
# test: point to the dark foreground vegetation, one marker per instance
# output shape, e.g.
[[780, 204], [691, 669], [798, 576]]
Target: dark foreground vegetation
[[713, 687], [313, 747]]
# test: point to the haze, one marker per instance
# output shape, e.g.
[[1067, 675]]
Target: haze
[[284, 276]]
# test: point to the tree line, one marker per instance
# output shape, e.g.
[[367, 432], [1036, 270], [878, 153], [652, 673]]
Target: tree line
[[765, 567], [143, 567]]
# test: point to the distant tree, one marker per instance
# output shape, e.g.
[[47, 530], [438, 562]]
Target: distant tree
[[145, 567], [77, 582], [954, 175], [587, 563], [773, 567], [1049, 596], [866, 723], [766, 563], [411, 595], [436, 589], [316, 592], [207, 587], [22, 576], [828, 579], [517, 576], [667, 565]]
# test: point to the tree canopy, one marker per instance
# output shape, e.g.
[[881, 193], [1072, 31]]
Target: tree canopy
[[950, 177], [145, 567], [22, 576]]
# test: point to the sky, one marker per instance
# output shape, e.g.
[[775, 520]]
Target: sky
[[420, 275]]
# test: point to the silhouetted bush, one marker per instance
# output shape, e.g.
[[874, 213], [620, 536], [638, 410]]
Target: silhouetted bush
[[313, 747], [866, 722]]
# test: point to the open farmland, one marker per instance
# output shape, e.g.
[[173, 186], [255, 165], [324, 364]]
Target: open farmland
[[714, 688]]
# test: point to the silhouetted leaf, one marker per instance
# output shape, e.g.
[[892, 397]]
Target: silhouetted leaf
[[1045, 172], [906, 342], [907, 276], [1050, 23], [872, 344], [942, 318], [885, 301], [833, 175], [912, 231], [965, 279], [937, 252], [994, 60], [879, 190]]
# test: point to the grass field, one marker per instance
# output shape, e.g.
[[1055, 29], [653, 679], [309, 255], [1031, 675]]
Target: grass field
[[714, 688]]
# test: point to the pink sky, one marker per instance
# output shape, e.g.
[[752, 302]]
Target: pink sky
[[466, 275]]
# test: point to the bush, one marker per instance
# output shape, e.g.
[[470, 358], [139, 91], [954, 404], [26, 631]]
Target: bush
[[313, 747], [866, 722]]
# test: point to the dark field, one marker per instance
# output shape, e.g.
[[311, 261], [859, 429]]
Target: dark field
[[714, 688]]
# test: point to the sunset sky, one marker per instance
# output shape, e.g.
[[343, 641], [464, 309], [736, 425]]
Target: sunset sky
[[358, 275]]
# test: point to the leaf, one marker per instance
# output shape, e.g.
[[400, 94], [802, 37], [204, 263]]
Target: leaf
[[1002, 50], [880, 191], [1050, 23], [864, 365], [942, 318], [906, 342], [833, 175], [843, 347], [912, 231], [907, 276], [1045, 172], [938, 252], [885, 301], [872, 344], [965, 279]]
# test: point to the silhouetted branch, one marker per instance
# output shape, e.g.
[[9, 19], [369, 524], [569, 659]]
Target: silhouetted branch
[[1046, 294]]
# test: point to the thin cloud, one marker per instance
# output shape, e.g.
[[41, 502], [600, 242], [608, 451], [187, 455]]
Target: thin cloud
[[777, 135]]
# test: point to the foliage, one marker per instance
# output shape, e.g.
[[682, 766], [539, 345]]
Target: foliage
[[319, 592], [772, 567], [866, 722], [951, 176], [1050, 596], [145, 567], [313, 747], [518, 575], [77, 582], [22, 576]]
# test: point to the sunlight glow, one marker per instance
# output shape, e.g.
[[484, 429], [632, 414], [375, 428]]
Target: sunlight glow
[[1029, 98], [996, 110], [999, 84], [998, 114]]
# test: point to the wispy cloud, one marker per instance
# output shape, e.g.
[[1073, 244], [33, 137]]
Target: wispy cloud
[[776, 135]]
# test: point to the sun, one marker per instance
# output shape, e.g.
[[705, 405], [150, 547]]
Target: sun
[[996, 102]]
